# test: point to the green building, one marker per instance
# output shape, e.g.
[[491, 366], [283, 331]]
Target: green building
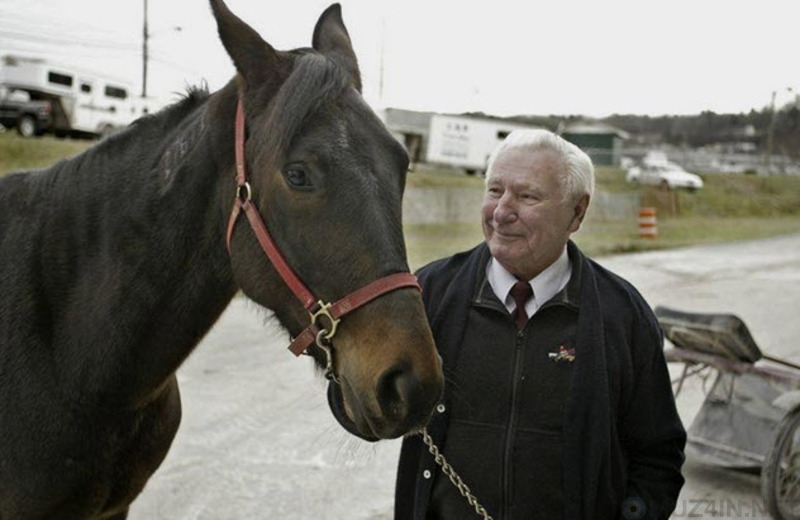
[[603, 143]]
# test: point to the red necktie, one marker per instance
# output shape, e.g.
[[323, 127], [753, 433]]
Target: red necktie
[[521, 292]]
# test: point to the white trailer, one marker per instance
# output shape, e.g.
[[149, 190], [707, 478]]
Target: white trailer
[[466, 142], [83, 102]]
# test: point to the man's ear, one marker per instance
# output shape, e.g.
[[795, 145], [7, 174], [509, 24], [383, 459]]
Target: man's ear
[[580, 208]]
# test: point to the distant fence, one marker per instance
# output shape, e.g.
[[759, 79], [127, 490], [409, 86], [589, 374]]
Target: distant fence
[[702, 160], [613, 206], [720, 161]]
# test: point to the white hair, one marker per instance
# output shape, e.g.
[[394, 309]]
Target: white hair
[[576, 180]]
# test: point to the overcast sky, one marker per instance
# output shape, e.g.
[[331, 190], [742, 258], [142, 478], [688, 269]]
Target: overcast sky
[[503, 57]]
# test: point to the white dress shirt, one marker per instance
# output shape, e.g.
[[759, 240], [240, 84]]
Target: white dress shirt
[[546, 285]]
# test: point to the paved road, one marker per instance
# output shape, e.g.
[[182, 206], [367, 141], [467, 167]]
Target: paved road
[[257, 440]]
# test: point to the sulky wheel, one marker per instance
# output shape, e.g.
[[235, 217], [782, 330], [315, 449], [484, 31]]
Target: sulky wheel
[[780, 476]]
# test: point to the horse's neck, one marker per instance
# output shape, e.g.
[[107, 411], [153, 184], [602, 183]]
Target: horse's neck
[[153, 274]]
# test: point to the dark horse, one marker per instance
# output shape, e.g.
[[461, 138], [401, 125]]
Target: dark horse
[[115, 264]]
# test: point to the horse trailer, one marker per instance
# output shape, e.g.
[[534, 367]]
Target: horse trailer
[[466, 142], [82, 102]]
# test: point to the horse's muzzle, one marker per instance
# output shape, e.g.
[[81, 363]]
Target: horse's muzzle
[[406, 402], [403, 403]]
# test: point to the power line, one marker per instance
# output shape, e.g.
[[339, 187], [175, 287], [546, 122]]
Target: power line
[[14, 35], [39, 24]]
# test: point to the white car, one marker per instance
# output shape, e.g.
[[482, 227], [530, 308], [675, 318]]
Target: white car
[[666, 175]]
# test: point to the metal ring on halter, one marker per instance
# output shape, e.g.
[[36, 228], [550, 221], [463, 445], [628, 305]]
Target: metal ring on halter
[[324, 344], [243, 192]]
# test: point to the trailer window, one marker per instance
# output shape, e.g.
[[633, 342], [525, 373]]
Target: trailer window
[[86, 88], [116, 92], [59, 79]]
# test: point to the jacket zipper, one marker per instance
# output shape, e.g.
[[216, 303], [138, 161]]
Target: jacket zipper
[[512, 425]]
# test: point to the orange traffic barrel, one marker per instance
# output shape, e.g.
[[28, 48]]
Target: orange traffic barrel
[[648, 223]]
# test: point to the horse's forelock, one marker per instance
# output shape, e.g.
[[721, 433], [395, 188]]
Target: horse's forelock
[[315, 83]]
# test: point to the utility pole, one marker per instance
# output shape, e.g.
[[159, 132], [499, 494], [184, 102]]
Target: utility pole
[[383, 53], [770, 132], [145, 36]]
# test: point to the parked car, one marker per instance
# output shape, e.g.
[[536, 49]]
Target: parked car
[[666, 175], [29, 117]]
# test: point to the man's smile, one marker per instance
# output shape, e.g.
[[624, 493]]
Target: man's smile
[[506, 234]]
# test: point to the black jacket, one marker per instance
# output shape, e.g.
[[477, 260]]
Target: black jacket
[[623, 439]]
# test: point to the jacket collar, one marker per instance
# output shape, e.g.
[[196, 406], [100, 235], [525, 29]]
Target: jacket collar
[[484, 294]]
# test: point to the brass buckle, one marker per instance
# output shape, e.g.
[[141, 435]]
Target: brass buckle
[[324, 311]]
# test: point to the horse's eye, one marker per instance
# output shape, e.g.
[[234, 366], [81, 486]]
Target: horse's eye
[[297, 177]]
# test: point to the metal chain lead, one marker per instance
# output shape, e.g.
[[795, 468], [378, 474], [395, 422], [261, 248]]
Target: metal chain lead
[[448, 470]]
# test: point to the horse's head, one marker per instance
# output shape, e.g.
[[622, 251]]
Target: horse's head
[[328, 180]]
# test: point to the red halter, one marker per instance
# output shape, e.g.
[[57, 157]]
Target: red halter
[[316, 308]]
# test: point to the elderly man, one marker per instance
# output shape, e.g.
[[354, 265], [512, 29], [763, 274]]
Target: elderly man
[[558, 403]]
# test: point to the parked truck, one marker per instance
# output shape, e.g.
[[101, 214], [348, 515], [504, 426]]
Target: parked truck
[[466, 142], [81, 102], [17, 110]]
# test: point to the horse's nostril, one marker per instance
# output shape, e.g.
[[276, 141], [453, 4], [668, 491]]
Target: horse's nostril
[[401, 395]]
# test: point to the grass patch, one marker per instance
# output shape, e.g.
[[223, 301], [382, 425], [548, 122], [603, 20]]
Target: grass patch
[[427, 242], [744, 196], [598, 238], [426, 176], [613, 180], [19, 153]]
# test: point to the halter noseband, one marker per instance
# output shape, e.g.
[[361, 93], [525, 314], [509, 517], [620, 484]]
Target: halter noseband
[[318, 333]]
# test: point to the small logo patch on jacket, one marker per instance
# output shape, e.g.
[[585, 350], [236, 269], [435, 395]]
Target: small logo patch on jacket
[[564, 354]]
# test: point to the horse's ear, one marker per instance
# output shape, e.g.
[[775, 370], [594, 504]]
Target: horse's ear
[[253, 58], [332, 40]]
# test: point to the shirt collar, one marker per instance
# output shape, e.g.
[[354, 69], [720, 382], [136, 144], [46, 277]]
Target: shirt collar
[[545, 285]]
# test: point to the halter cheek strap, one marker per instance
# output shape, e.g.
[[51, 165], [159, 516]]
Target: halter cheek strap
[[316, 332]]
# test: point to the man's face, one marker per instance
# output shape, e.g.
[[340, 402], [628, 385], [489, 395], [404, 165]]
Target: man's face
[[526, 219]]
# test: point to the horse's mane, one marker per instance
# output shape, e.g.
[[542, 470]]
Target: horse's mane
[[130, 152], [173, 114], [151, 132]]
